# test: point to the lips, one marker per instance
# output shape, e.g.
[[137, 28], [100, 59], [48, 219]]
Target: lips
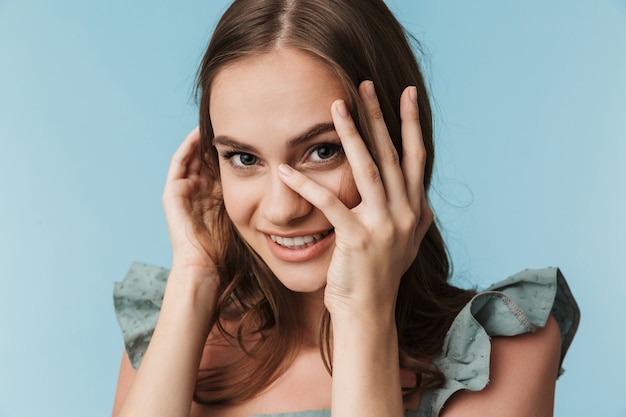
[[299, 242]]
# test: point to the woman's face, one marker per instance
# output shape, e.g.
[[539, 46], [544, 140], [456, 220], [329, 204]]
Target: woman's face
[[269, 110]]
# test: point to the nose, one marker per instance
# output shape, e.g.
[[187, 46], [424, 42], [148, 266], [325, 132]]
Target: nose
[[280, 204]]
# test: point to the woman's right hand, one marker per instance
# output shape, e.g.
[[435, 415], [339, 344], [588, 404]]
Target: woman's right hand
[[187, 201], [165, 382]]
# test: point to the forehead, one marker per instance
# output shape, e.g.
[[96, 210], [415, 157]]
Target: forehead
[[278, 92]]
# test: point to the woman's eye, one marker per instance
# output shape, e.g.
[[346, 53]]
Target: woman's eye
[[325, 152], [241, 159], [246, 159]]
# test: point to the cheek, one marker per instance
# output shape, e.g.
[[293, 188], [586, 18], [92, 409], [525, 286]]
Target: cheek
[[237, 203], [348, 192], [342, 184]]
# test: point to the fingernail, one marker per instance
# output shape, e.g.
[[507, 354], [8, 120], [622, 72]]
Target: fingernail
[[413, 94], [342, 109], [286, 170], [370, 90]]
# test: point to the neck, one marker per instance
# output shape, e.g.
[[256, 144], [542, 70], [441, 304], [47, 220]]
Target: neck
[[311, 307]]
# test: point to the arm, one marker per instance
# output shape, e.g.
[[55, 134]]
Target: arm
[[124, 382], [375, 243], [165, 381], [366, 373], [523, 371]]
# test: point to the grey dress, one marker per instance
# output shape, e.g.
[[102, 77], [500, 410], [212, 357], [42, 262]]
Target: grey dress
[[517, 305]]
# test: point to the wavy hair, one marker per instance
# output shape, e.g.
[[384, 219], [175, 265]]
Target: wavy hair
[[357, 40]]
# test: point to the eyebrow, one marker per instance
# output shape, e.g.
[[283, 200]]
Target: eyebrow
[[298, 140]]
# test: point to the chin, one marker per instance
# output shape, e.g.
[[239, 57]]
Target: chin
[[304, 281], [303, 285]]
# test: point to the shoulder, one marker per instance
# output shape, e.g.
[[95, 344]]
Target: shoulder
[[505, 348], [522, 377]]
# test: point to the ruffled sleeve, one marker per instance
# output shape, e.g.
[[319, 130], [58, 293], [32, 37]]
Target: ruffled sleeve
[[517, 305], [137, 301]]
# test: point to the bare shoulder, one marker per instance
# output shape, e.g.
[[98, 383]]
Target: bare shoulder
[[124, 381], [523, 372]]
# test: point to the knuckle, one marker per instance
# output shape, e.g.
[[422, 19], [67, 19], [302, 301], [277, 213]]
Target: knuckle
[[360, 238], [300, 181], [413, 116], [375, 113], [327, 199], [418, 154], [390, 155], [420, 150], [409, 222], [360, 242], [372, 172], [421, 153]]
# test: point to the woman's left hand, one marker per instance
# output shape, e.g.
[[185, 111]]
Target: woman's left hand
[[377, 240]]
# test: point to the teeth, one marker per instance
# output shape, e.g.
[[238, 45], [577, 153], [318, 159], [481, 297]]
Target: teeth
[[298, 242]]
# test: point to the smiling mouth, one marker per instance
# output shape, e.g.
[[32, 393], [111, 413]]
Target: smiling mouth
[[299, 242]]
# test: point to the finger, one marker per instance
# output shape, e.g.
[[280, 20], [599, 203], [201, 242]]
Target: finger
[[322, 198], [185, 159], [425, 221], [413, 151], [193, 161], [386, 154], [364, 170]]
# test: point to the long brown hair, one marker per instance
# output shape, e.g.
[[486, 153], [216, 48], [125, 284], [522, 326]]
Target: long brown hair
[[358, 40]]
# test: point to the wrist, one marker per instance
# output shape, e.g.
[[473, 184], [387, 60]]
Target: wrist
[[367, 313], [198, 286], [373, 325], [194, 271]]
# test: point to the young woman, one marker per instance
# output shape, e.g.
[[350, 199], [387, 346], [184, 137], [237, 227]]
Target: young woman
[[308, 276]]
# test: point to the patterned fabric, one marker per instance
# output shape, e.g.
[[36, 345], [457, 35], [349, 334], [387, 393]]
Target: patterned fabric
[[517, 305], [137, 302]]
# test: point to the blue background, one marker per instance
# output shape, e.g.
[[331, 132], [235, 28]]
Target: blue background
[[95, 96]]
